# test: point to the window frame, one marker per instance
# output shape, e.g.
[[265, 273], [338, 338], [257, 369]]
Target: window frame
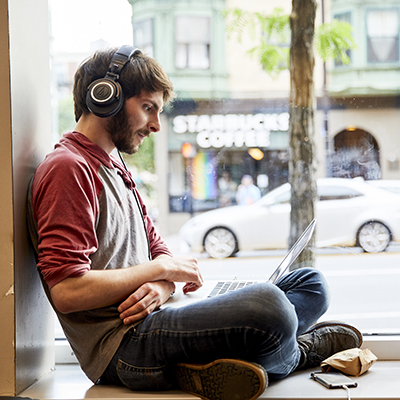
[[388, 346]]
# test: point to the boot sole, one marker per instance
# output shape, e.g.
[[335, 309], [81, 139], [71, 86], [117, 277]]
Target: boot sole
[[223, 379]]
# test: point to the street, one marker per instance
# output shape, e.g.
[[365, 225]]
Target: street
[[364, 287]]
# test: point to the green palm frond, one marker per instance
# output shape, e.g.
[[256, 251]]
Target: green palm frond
[[271, 33], [333, 40], [274, 59], [276, 26], [240, 21]]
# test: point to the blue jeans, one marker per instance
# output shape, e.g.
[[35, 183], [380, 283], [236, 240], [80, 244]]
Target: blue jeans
[[259, 323]]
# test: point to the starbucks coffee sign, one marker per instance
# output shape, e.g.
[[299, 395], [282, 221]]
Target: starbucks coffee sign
[[239, 130]]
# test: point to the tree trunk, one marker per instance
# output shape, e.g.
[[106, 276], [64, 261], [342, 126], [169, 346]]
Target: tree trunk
[[302, 174]]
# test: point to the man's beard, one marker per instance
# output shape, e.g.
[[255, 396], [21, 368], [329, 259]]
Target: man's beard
[[122, 133]]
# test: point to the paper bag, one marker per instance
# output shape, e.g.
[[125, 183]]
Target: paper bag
[[351, 362]]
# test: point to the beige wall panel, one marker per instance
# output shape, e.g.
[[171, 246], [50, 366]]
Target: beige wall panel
[[27, 345], [7, 331]]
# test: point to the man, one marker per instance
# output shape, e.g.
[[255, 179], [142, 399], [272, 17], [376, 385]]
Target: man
[[106, 270], [247, 193]]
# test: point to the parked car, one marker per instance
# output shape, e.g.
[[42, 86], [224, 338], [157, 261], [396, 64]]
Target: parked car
[[392, 185], [349, 212]]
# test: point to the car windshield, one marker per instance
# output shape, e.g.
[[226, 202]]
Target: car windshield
[[279, 195], [337, 193], [325, 192]]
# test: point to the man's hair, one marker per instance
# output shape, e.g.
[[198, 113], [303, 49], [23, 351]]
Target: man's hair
[[140, 73]]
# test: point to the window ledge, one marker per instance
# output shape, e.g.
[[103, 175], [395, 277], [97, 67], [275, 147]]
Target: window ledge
[[385, 347], [68, 381]]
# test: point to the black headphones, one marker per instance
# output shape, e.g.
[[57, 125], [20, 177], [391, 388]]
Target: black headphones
[[104, 97]]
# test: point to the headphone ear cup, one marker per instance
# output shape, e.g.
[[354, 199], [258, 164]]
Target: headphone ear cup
[[104, 97]]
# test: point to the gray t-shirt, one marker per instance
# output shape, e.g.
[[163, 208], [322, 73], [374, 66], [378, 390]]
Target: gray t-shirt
[[83, 215]]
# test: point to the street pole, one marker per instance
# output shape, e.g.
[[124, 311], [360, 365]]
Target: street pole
[[326, 107]]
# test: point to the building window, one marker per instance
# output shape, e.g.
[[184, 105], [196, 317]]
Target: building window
[[344, 17], [383, 36], [143, 36], [192, 36]]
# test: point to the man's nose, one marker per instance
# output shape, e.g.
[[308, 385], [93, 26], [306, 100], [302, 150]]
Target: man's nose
[[155, 124]]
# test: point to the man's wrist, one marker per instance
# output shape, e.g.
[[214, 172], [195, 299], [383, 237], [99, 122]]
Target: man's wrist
[[161, 269]]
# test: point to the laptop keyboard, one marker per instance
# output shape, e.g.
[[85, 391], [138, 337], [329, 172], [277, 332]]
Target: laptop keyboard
[[224, 287]]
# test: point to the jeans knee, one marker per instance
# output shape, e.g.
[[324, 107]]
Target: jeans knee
[[267, 308], [313, 280], [321, 286]]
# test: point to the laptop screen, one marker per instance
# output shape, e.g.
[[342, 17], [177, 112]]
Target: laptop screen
[[294, 252]]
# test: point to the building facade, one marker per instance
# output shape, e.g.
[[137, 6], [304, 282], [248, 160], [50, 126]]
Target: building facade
[[231, 118], [364, 95]]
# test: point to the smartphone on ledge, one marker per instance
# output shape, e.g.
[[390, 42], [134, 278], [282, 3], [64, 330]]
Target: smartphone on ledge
[[333, 380]]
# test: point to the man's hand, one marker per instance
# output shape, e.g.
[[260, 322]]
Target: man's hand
[[182, 269], [144, 300], [102, 288]]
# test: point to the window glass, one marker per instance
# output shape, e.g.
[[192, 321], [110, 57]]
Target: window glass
[[281, 42], [192, 36], [231, 119], [345, 17], [143, 36], [383, 35]]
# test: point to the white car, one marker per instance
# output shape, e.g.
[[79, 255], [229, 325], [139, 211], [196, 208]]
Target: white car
[[392, 185], [349, 212]]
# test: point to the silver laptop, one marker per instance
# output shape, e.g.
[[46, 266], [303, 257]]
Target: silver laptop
[[215, 288]]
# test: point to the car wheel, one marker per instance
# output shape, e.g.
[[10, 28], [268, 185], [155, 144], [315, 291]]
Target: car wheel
[[220, 243], [374, 237]]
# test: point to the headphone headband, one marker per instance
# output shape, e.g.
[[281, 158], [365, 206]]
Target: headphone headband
[[104, 97], [120, 58]]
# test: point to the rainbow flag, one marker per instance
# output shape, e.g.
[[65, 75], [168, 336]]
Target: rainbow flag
[[204, 177]]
